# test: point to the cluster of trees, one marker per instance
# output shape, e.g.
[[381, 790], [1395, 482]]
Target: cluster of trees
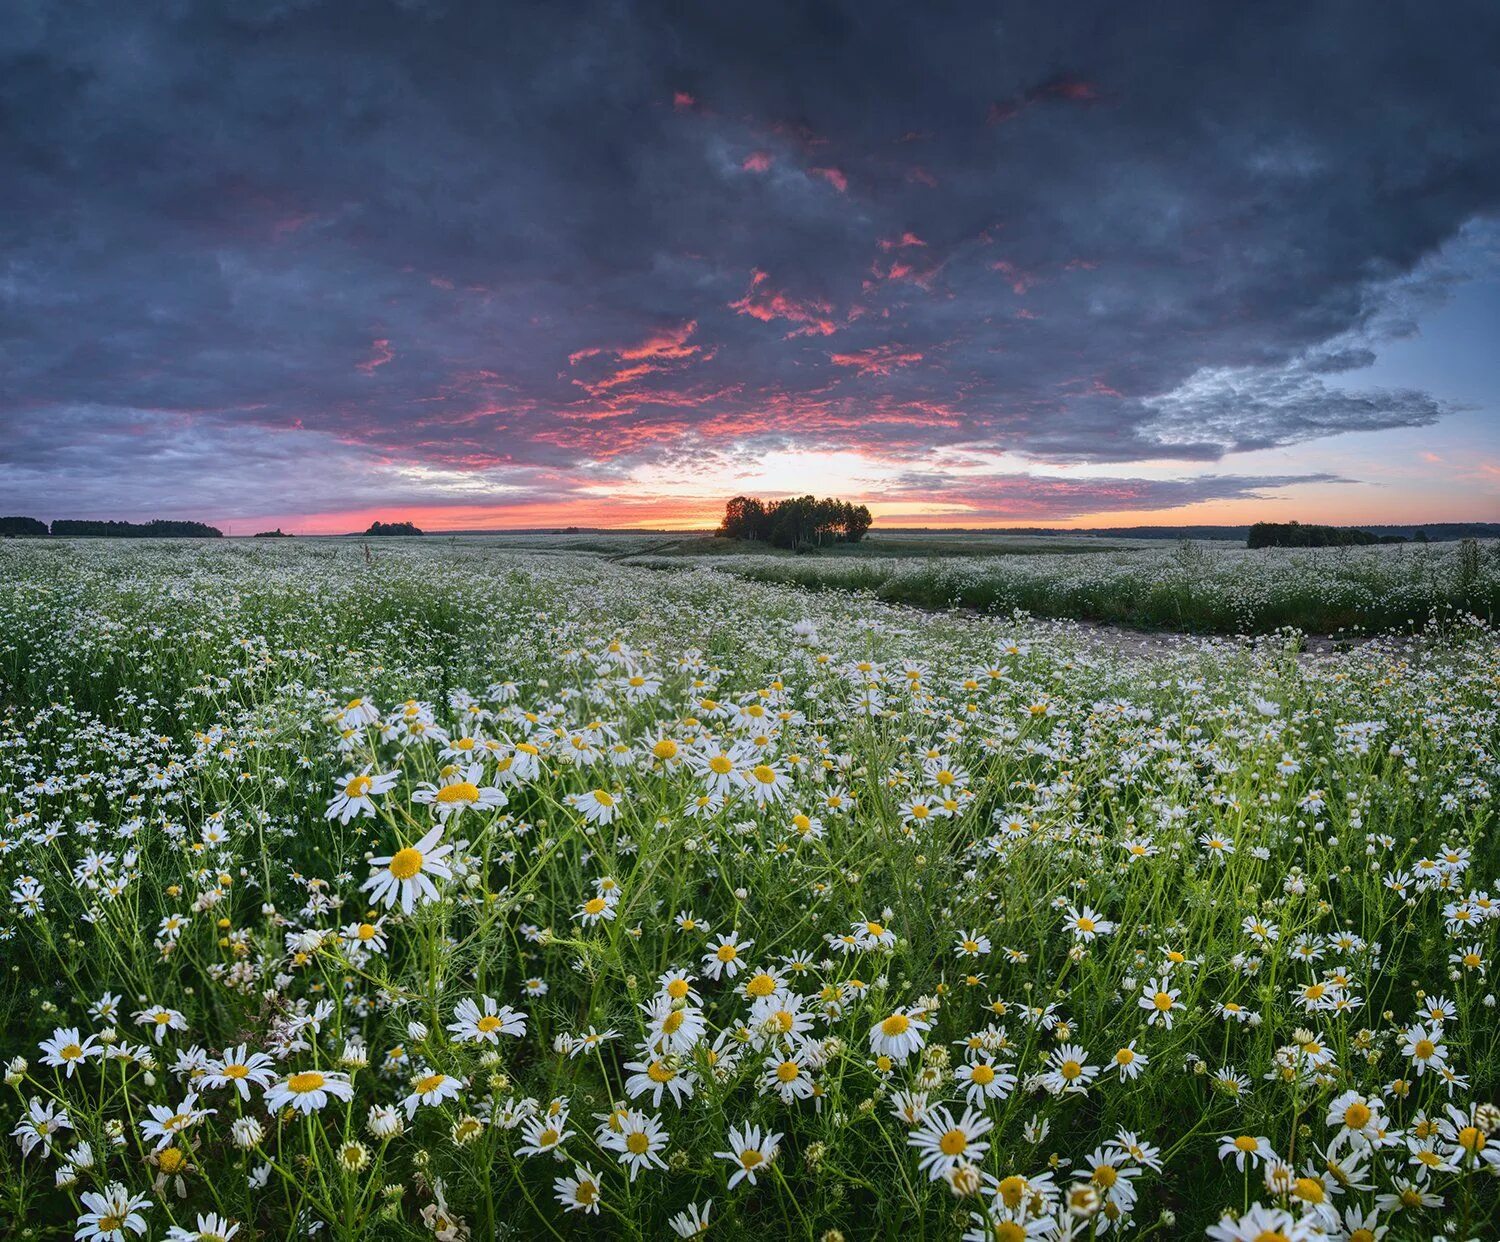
[[22, 526], [158, 529], [801, 522], [1297, 535], [393, 528]]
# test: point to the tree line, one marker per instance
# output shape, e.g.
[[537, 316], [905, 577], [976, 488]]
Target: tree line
[[1300, 535], [160, 528], [800, 522]]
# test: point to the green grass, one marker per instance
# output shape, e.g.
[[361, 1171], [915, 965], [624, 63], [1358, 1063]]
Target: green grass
[[174, 720], [1191, 587]]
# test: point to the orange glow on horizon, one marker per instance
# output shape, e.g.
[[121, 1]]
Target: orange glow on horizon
[[1342, 507]]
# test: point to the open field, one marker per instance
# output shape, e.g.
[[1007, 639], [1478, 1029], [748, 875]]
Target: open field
[[1200, 587], [475, 889]]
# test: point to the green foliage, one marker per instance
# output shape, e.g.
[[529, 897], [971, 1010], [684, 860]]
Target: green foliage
[[800, 522], [1249, 823]]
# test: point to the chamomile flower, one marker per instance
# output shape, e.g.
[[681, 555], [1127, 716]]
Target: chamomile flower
[[307, 1091], [485, 1020], [407, 875], [637, 1142]]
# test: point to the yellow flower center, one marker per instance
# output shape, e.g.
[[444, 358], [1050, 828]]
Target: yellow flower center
[[431, 1083], [1424, 1049], [594, 905], [726, 953], [1471, 1138], [1070, 1070], [301, 1084], [983, 1075], [459, 791], [405, 863], [896, 1024], [953, 1143], [1162, 1001], [603, 797], [672, 1022], [787, 1071], [358, 787], [1309, 1189], [637, 1144], [761, 985], [1247, 1143], [677, 989], [487, 1023], [658, 1072], [665, 749], [720, 765], [1357, 1115], [366, 931], [171, 1160], [236, 1071]]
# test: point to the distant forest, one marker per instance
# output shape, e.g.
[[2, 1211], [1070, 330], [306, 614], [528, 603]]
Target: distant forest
[[393, 528], [158, 529], [801, 522]]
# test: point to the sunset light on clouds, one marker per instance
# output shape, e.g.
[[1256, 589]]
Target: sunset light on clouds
[[527, 265]]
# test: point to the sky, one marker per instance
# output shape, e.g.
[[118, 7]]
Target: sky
[[287, 263]]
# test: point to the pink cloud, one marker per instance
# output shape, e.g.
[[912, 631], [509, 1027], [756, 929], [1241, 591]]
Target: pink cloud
[[833, 176], [877, 360], [767, 305], [906, 239], [380, 355], [758, 162]]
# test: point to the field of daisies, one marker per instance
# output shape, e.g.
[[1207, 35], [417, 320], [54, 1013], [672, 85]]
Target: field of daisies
[[432, 890]]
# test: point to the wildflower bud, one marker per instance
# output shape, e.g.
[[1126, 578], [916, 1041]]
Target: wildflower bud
[[246, 1132], [965, 1180]]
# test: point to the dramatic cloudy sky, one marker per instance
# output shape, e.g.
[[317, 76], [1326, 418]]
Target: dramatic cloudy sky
[[514, 264]]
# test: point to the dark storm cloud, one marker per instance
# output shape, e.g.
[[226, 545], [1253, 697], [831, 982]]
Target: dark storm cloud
[[510, 239]]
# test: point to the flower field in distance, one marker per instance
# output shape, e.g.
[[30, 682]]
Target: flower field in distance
[[450, 892]]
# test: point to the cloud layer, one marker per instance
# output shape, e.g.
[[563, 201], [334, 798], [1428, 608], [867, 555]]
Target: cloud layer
[[514, 252]]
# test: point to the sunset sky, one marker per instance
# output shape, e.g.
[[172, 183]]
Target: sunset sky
[[279, 262]]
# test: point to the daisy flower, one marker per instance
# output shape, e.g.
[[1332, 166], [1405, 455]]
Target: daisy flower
[[945, 1143], [460, 791], [638, 1141], [899, 1035], [726, 959], [107, 1216], [356, 794], [161, 1020], [475, 1025], [405, 876], [431, 1090], [1425, 1048], [238, 1068], [750, 1151], [579, 1193], [1160, 1002], [308, 1090], [66, 1049], [984, 1080]]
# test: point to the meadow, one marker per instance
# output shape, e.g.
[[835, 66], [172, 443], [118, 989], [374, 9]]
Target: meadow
[[448, 889], [1192, 586]]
